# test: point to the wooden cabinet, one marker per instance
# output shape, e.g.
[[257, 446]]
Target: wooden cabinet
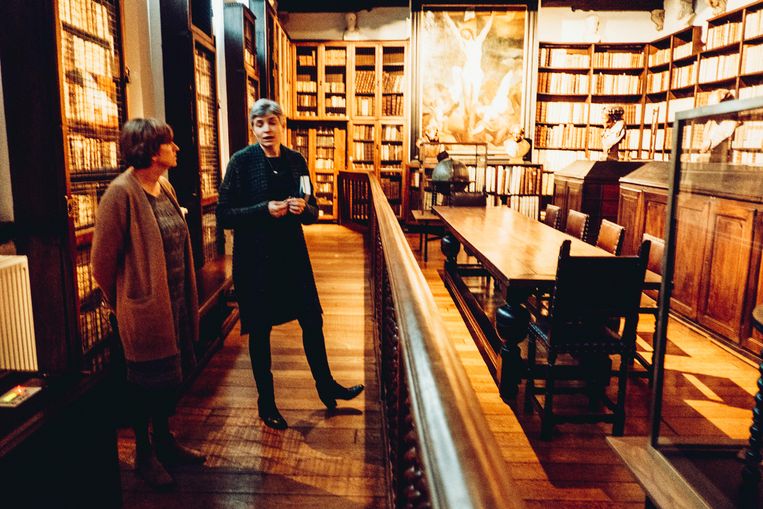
[[362, 84], [323, 147], [191, 108], [591, 187], [273, 53], [729, 249], [320, 79], [63, 84], [691, 224], [717, 277], [241, 74]]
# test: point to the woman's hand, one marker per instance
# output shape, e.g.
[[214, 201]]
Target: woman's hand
[[278, 208], [296, 205]]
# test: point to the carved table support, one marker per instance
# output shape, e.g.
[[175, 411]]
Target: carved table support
[[511, 321], [450, 246], [751, 470]]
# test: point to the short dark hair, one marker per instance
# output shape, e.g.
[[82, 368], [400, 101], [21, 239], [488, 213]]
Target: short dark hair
[[264, 107], [140, 140]]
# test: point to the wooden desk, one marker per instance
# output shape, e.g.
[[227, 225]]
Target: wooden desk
[[522, 254]]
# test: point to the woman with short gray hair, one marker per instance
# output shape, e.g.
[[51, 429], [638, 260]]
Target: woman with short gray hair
[[265, 198]]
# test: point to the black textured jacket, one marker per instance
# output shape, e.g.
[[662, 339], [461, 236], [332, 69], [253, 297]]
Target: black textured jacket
[[272, 274]]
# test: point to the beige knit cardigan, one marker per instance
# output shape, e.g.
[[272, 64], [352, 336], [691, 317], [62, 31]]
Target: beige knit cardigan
[[128, 264]]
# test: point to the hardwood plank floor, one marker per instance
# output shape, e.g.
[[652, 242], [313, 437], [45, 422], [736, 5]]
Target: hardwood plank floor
[[336, 460], [325, 459], [707, 391]]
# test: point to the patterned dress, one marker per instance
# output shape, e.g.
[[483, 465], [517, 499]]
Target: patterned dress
[[167, 372]]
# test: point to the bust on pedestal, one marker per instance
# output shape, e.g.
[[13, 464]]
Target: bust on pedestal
[[351, 33], [517, 147]]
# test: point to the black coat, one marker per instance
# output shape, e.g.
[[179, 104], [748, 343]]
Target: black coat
[[272, 274]]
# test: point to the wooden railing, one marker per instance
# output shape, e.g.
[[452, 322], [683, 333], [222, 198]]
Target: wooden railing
[[441, 452]]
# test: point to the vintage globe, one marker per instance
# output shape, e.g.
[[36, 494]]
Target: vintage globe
[[450, 175]]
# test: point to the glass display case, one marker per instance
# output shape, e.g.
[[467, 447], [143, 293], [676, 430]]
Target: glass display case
[[705, 422]]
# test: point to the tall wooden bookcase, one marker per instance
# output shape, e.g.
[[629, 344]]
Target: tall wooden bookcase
[[378, 130], [242, 76], [273, 53], [63, 81], [575, 82], [324, 146], [361, 85], [680, 72], [191, 107]]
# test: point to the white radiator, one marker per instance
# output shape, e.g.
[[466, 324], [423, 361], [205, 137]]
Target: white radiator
[[18, 351]]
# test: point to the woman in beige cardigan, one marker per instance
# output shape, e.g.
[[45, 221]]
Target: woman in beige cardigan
[[142, 261]]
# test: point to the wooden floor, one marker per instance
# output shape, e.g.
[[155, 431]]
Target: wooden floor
[[335, 460], [324, 460]]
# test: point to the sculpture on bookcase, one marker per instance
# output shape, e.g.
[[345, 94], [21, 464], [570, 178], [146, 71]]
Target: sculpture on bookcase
[[614, 131], [658, 18], [351, 33], [717, 136], [718, 6], [517, 147]]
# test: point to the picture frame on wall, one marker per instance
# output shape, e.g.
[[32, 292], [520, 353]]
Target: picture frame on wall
[[472, 62]]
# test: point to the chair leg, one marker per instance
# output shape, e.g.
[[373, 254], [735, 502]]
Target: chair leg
[[547, 417], [618, 428], [530, 383]]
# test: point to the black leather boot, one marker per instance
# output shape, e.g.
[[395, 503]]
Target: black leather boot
[[271, 416], [333, 391], [171, 453], [148, 467]]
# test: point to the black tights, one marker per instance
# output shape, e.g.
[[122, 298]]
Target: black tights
[[154, 405], [315, 350]]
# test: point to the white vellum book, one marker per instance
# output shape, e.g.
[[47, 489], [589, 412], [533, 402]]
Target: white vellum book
[[304, 186]]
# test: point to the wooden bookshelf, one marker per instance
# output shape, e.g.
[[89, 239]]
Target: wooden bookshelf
[[360, 86], [64, 90], [378, 130], [324, 147], [575, 81], [242, 76], [520, 186]]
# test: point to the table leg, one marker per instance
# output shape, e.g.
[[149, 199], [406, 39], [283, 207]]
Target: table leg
[[511, 322], [450, 246], [426, 243]]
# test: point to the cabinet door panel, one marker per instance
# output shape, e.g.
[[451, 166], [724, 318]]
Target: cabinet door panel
[[727, 260], [629, 215], [655, 208], [691, 225]]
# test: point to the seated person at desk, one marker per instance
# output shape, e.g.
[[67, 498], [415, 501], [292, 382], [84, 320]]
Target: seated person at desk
[[614, 131], [518, 147]]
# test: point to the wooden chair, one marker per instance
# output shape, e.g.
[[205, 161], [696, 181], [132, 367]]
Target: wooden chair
[[553, 216], [577, 224], [611, 237], [650, 299], [588, 292], [467, 199]]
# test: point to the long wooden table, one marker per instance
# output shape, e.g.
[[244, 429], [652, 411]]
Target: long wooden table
[[522, 254]]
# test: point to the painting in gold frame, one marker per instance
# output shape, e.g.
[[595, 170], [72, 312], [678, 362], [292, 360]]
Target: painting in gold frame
[[472, 74]]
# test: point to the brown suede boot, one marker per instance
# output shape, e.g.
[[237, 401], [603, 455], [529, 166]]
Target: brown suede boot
[[148, 467], [171, 453]]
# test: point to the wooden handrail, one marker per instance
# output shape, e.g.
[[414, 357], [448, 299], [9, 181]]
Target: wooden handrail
[[447, 435]]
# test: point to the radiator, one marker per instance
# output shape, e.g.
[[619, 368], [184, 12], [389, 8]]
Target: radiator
[[18, 351]]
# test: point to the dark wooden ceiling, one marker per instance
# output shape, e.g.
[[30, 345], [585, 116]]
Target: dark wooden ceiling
[[359, 5]]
